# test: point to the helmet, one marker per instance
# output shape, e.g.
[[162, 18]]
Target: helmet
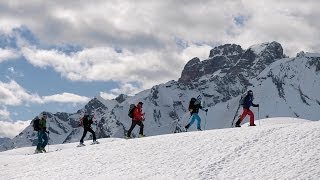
[[199, 97], [43, 115]]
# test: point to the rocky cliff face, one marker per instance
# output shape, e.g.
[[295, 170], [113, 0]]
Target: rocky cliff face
[[282, 87], [229, 69], [232, 60]]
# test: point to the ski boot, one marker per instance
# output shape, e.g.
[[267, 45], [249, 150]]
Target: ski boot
[[127, 136], [238, 123], [43, 150], [186, 127], [95, 142], [81, 144], [37, 151]]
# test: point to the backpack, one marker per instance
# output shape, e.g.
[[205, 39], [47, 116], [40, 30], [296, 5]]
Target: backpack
[[85, 118], [131, 109], [36, 124], [241, 101], [191, 103]]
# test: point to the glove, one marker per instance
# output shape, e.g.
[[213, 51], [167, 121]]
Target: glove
[[257, 105], [206, 110], [48, 132]]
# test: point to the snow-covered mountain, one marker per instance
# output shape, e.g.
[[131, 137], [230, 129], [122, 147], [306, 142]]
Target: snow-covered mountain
[[3, 140], [282, 86], [281, 148]]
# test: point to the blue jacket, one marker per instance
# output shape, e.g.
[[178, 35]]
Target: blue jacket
[[248, 102]]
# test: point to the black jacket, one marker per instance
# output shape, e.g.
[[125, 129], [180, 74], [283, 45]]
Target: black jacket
[[87, 121], [248, 102], [195, 106]]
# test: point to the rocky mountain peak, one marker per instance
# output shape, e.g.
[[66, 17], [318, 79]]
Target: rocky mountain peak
[[190, 70], [226, 50], [94, 105], [231, 58], [121, 98], [273, 50]]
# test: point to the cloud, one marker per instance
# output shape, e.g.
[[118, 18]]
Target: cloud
[[11, 129], [128, 45], [292, 23], [200, 51], [13, 94], [107, 64], [106, 95], [65, 98], [153, 24], [127, 89], [8, 54], [119, 23], [4, 113]]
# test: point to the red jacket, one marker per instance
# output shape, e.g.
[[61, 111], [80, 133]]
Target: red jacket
[[137, 114]]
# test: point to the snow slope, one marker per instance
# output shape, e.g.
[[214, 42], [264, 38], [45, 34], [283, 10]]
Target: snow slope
[[281, 148]]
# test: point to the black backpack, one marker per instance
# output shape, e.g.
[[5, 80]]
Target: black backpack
[[36, 124], [131, 109], [191, 103], [86, 120]]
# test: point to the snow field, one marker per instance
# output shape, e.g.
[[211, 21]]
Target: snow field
[[281, 148]]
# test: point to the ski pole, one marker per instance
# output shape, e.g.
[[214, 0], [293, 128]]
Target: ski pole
[[48, 140], [259, 115], [235, 115], [48, 134], [205, 121]]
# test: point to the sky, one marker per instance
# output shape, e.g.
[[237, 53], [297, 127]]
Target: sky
[[56, 55]]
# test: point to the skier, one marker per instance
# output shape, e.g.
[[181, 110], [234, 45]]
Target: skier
[[86, 122], [137, 119], [42, 136], [246, 109], [194, 106]]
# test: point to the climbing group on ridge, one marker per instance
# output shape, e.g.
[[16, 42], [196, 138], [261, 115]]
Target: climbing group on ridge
[[138, 117]]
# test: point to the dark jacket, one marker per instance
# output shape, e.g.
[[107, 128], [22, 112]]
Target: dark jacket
[[248, 102], [87, 121], [195, 106]]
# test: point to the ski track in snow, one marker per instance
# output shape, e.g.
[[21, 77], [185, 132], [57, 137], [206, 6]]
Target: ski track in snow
[[281, 148]]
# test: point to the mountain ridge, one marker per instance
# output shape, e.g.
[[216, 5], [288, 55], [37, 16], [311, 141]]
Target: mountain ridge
[[266, 73]]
